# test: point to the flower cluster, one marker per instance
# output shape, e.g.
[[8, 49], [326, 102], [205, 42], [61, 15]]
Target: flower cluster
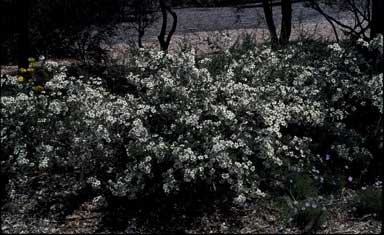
[[186, 126]]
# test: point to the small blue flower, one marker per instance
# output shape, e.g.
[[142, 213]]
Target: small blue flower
[[280, 229], [327, 157], [350, 178]]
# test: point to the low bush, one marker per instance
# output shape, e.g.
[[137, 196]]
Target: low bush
[[369, 201], [309, 219], [302, 187], [182, 130]]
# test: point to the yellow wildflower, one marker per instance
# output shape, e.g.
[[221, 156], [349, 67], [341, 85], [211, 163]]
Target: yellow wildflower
[[31, 60], [20, 78], [22, 70], [30, 69], [38, 88]]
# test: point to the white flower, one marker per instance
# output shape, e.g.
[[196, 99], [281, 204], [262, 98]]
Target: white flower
[[138, 130], [240, 199], [336, 47], [44, 163], [95, 183], [225, 176]]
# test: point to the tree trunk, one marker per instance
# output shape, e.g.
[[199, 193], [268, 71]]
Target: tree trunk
[[22, 8], [270, 22], [286, 21], [174, 24], [377, 21], [141, 34], [163, 26], [164, 42]]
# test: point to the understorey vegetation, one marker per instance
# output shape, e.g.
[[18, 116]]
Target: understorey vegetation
[[184, 134]]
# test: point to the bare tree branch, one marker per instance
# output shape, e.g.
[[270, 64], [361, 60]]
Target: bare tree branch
[[346, 28]]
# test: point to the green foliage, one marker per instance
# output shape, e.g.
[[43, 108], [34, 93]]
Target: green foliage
[[332, 184], [310, 52], [302, 186], [243, 44], [284, 207], [309, 218], [218, 63], [369, 201], [221, 58], [184, 129]]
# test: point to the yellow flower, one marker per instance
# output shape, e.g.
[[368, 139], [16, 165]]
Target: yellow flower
[[31, 60], [22, 70], [30, 69], [38, 88], [20, 78]]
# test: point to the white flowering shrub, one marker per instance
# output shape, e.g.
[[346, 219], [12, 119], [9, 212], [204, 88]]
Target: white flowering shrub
[[61, 134], [186, 128]]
